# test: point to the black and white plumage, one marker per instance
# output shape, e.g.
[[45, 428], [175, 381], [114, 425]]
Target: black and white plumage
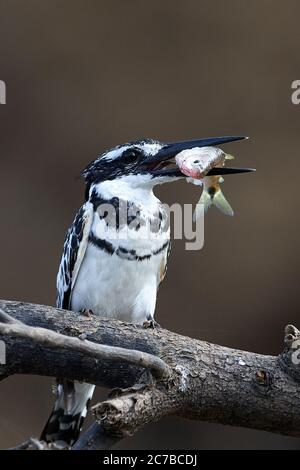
[[115, 253]]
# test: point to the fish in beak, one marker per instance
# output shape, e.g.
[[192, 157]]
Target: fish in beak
[[160, 163], [197, 164]]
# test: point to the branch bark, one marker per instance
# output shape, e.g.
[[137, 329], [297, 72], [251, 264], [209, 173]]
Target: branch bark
[[41, 336], [204, 381]]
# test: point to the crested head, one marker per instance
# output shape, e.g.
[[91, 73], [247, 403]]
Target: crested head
[[122, 160]]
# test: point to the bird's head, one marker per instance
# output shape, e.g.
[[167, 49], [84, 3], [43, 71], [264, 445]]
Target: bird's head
[[147, 162]]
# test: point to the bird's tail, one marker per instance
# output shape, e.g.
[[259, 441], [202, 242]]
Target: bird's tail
[[70, 409]]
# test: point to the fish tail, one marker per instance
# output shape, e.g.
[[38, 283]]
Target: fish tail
[[219, 200], [212, 199], [205, 201]]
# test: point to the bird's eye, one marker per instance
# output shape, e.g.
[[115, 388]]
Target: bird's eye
[[129, 156]]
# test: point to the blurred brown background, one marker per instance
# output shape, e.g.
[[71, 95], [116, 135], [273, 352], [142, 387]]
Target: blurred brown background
[[85, 75]]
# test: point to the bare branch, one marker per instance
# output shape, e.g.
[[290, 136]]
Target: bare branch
[[57, 341], [31, 444], [5, 318], [206, 381], [96, 438], [126, 411]]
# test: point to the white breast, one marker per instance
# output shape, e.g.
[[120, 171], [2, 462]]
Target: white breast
[[115, 286]]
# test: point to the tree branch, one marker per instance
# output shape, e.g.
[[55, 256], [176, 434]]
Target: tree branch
[[50, 339], [203, 381], [96, 438]]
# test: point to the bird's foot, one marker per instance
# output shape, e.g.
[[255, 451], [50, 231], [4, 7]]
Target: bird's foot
[[87, 312], [150, 323]]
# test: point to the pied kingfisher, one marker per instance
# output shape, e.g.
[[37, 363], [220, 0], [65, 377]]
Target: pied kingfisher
[[114, 265]]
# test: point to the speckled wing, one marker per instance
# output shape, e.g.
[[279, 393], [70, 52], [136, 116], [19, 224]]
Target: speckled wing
[[75, 245]]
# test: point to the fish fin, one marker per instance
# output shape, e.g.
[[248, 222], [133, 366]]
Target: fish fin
[[205, 201], [195, 181], [221, 203]]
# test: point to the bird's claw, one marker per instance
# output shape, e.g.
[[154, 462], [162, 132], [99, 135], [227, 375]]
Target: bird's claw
[[151, 323], [87, 312]]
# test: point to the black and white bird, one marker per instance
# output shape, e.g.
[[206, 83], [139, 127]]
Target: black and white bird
[[113, 264]]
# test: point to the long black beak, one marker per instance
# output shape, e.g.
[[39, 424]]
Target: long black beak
[[170, 149], [229, 171]]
